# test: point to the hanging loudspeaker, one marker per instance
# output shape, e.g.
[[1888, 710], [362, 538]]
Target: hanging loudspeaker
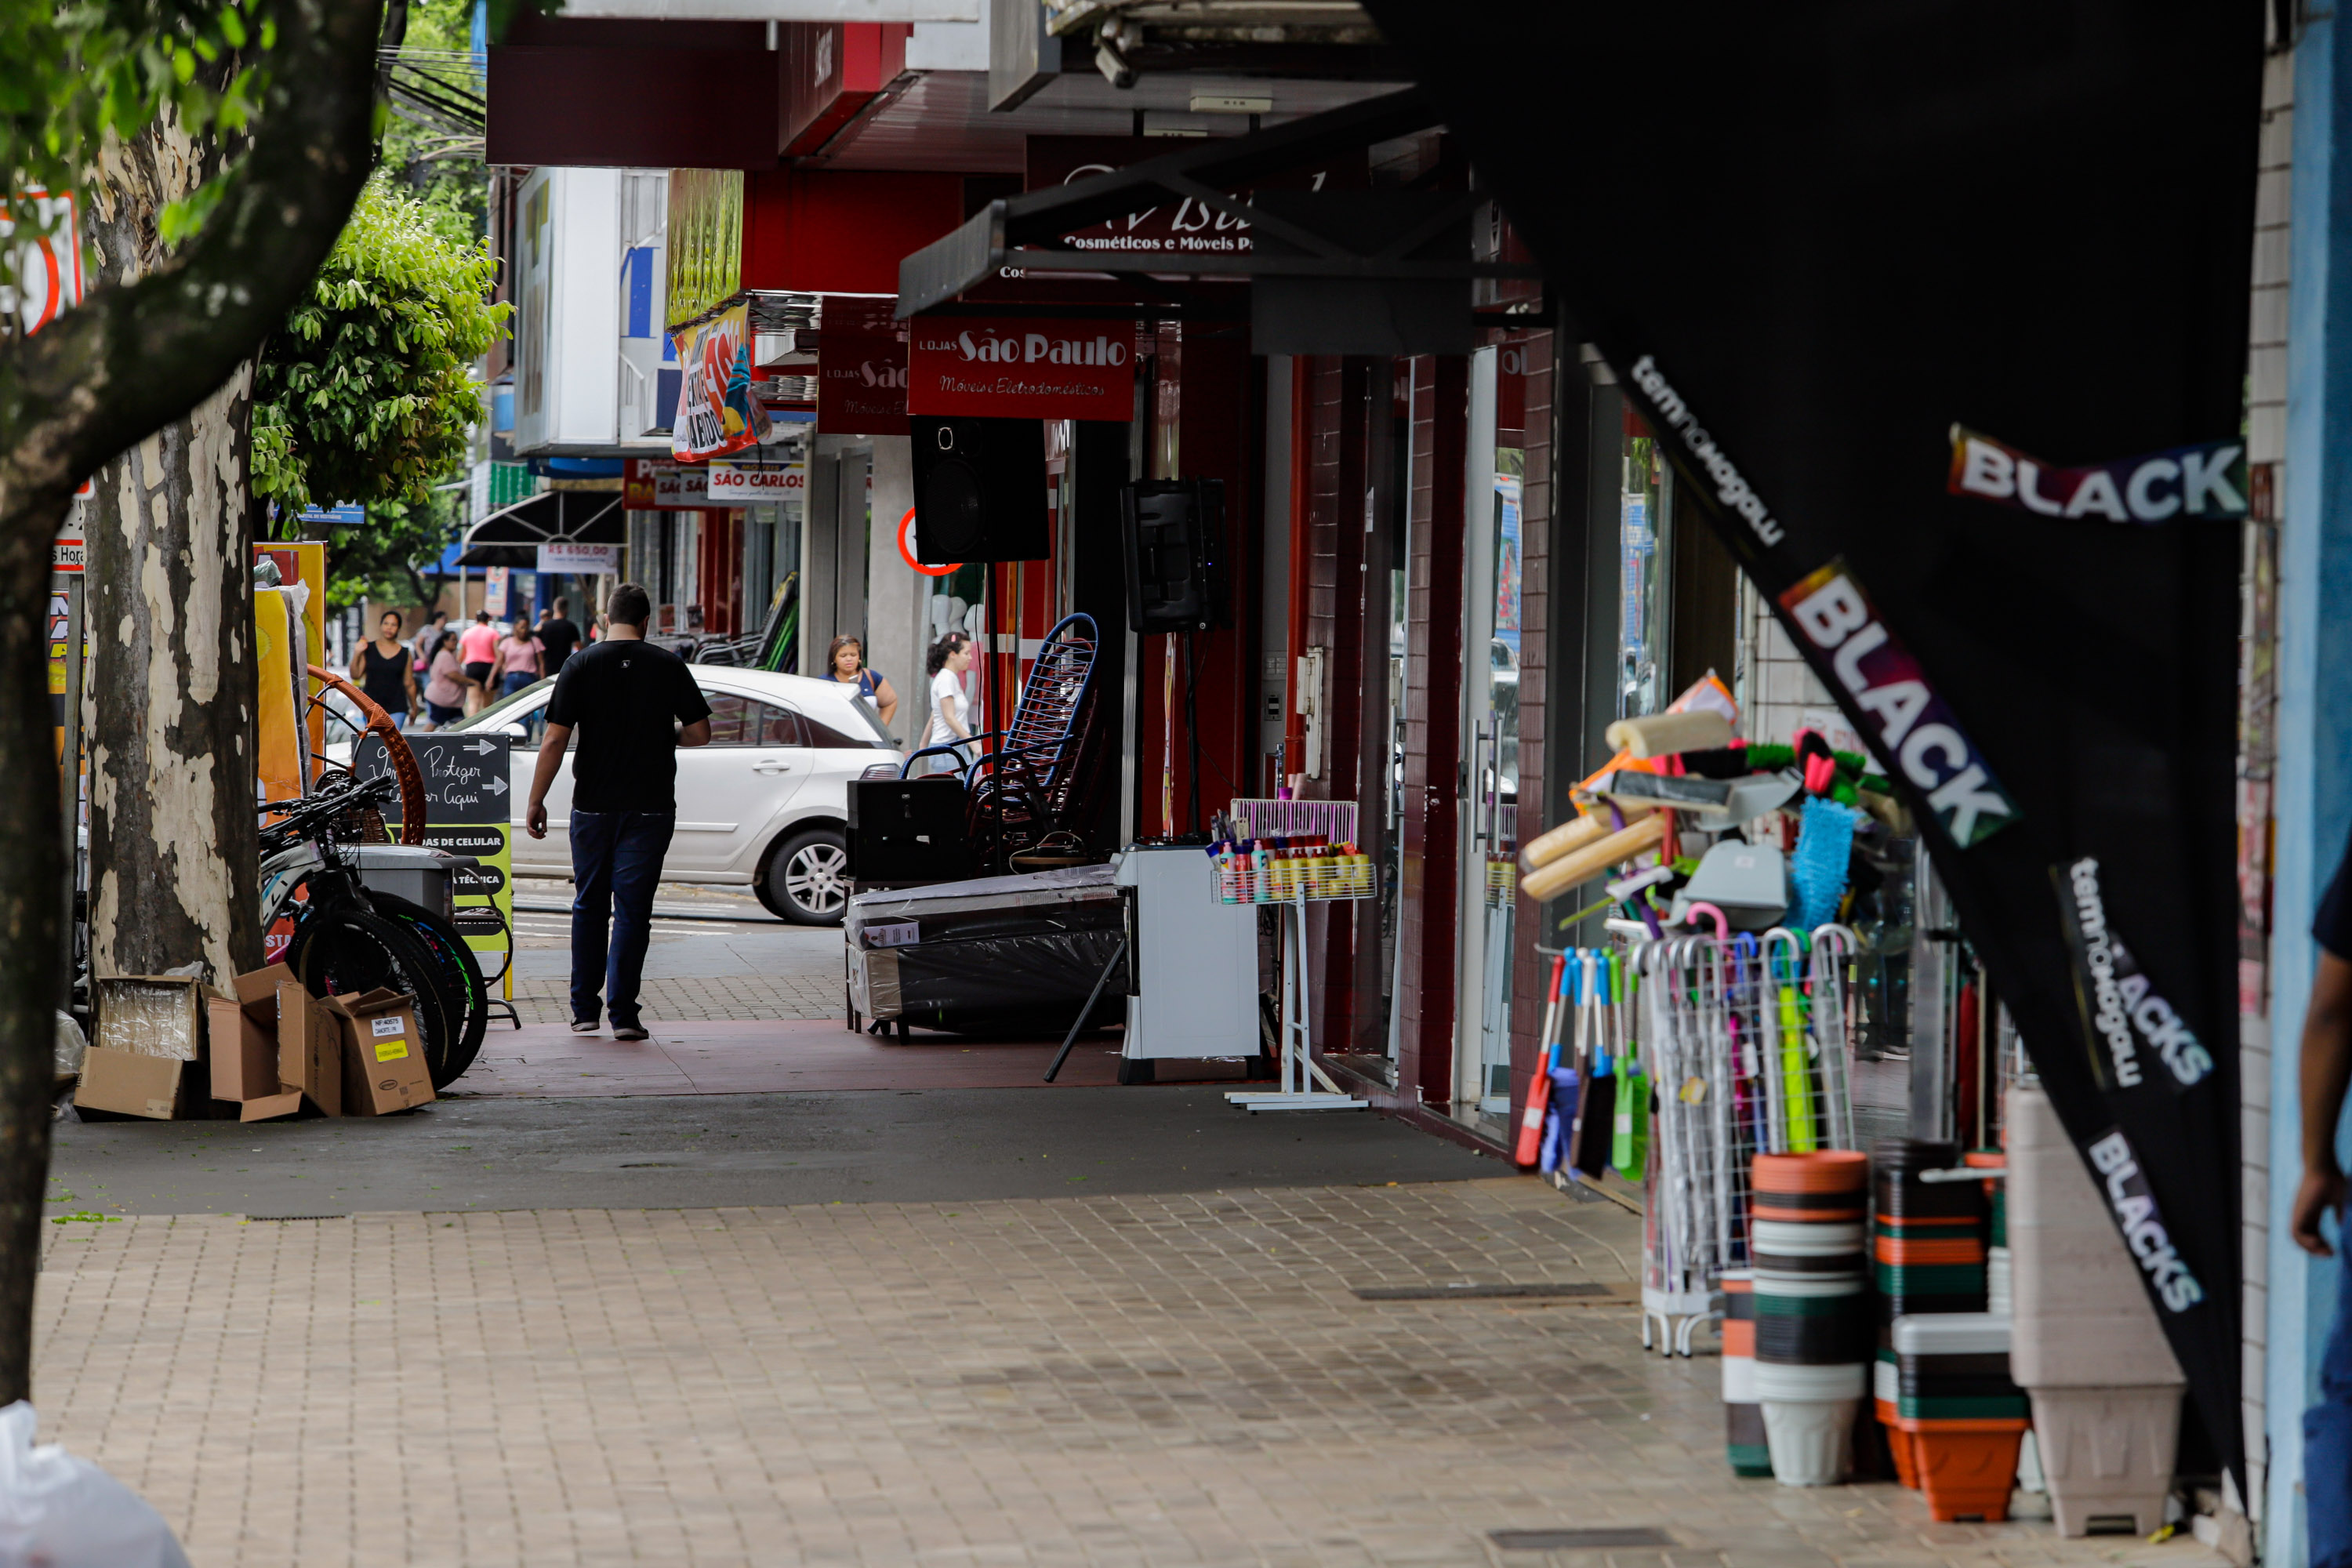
[[1175, 557], [980, 489]]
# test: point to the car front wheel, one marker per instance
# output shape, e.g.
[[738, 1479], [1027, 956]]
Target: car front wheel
[[806, 878]]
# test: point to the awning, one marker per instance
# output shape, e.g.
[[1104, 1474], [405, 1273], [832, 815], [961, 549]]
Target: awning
[[1297, 241], [512, 536]]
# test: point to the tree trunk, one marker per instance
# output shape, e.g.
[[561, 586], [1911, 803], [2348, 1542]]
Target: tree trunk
[[111, 373], [30, 932], [174, 875]]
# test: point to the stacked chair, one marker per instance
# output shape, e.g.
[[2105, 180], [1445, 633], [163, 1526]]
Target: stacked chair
[[1029, 785]]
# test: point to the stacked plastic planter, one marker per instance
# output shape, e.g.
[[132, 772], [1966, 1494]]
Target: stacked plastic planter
[[1743, 1418], [1957, 1412], [2086, 1346], [1809, 1226], [1929, 1245], [1997, 1296], [1921, 1241]]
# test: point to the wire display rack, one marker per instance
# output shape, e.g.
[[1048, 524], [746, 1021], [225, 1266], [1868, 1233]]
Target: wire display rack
[[1747, 1041], [1332, 819], [1290, 888]]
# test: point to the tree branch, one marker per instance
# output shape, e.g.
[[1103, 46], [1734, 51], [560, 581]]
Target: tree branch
[[131, 359]]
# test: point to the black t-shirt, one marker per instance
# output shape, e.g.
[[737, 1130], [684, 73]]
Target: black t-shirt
[[2332, 926], [559, 637], [626, 698]]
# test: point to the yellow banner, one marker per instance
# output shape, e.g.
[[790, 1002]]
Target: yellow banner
[[276, 644]]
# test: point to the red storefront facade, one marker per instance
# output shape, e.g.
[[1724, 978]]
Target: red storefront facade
[[1424, 594]]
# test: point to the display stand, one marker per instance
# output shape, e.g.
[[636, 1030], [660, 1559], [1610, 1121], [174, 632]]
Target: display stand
[[1334, 820], [1299, 1070]]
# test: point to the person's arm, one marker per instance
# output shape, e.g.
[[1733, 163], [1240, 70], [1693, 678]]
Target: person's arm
[[543, 777], [951, 713], [359, 666], [2327, 1069], [408, 680], [886, 700], [538, 657], [689, 699]]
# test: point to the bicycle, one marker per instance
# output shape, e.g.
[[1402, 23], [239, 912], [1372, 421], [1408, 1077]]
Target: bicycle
[[351, 937]]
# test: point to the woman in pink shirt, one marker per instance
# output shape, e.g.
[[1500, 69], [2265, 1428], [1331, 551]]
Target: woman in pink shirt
[[522, 659], [479, 649]]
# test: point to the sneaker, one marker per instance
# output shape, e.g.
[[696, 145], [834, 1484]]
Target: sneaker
[[628, 1031], [586, 1026]]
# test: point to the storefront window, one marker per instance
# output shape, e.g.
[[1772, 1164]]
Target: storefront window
[[1645, 521], [1503, 648]]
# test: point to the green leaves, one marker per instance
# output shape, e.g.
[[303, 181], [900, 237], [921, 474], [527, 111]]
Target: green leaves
[[367, 395], [77, 72]]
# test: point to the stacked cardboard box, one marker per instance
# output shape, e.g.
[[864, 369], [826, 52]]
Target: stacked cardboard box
[[147, 1058], [170, 1047]]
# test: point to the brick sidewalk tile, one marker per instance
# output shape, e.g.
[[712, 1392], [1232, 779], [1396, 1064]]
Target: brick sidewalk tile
[[1091, 1380]]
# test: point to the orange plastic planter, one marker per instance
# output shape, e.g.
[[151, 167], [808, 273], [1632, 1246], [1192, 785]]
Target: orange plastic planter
[[1898, 1443], [1967, 1469], [1823, 1170]]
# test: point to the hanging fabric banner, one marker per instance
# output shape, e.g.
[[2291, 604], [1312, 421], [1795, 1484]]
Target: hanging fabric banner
[[2037, 222], [716, 411]]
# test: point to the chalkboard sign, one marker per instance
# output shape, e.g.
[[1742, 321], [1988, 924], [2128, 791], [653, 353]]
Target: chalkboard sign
[[468, 810], [466, 779]]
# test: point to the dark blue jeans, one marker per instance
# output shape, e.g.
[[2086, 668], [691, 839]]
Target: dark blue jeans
[[616, 860], [2327, 1432]]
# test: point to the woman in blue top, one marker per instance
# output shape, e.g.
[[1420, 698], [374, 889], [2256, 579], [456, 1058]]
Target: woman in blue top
[[845, 660]]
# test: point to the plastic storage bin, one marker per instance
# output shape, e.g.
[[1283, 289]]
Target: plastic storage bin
[[2085, 1341]]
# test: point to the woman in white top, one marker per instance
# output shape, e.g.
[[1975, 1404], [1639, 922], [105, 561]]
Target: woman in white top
[[951, 711]]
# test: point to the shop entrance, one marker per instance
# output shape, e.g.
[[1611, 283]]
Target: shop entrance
[[1490, 738]]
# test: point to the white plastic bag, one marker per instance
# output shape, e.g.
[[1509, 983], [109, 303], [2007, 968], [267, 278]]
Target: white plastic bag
[[59, 1511], [71, 1047]]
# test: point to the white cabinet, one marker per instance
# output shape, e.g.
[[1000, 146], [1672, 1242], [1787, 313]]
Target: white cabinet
[[1197, 973]]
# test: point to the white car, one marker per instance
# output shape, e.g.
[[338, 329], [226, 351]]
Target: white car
[[766, 803]]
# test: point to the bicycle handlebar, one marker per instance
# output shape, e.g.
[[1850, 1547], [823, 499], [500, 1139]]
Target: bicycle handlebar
[[302, 815]]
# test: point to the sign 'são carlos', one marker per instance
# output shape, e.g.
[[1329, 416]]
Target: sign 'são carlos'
[[1020, 369]]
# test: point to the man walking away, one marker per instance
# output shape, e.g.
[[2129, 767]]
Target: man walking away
[[634, 704], [2327, 1069], [558, 636]]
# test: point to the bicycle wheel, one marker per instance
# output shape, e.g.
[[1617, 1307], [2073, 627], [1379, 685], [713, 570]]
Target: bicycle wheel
[[463, 977], [344, 950]]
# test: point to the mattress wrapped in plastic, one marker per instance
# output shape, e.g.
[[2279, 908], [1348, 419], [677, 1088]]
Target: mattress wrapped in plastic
[[996, 955]]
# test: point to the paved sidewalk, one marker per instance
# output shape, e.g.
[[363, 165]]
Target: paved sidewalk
[[1183, 1378], [774, 1056], [547, 998], [743, 964]]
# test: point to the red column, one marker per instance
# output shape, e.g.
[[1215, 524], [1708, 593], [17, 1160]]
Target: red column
[[1430, 848], [1199, 416], [730, 575], [1339, 421]]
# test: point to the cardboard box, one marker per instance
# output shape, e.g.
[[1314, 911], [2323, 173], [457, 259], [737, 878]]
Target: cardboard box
[[131, 1083], [242, 1055], [270, 1107], [310, 1047], [258, 990], [383, 1054], [152, 1015]]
